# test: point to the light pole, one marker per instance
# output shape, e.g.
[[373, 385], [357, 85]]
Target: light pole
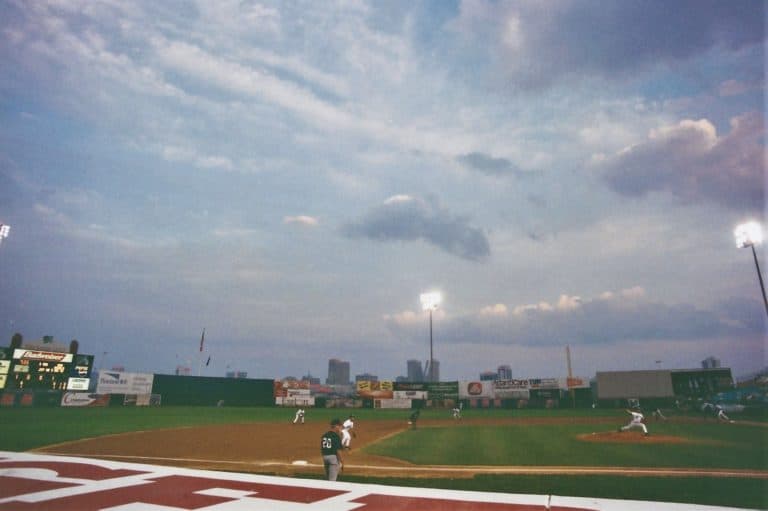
[[749, 235], [429, 302]]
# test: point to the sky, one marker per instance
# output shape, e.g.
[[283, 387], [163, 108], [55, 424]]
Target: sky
[[291, 176]]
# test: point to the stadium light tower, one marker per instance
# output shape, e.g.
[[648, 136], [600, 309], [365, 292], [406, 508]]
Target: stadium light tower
[[749, 235], [429, 302], [4, 230]]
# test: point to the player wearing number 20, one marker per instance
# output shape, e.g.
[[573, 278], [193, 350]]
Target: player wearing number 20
[[330, 448]]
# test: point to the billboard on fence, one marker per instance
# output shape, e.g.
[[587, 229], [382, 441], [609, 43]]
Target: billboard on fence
[[289, 387], [543, 383], [297, 400], [375, 389], [575, 382], [84, 399], [443, 390], [409, 394], [475, 389], [511, 389], [392, 403], [113, 382]]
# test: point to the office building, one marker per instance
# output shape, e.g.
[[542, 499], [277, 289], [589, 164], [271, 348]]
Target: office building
[[415, 372], [504, 372], [338, 372]]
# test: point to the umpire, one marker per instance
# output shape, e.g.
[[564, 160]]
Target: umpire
[[330, 448]]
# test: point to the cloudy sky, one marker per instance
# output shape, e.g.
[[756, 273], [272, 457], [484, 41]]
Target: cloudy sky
[[291, 176]]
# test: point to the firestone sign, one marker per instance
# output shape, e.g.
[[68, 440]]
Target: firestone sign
[[113, 382]]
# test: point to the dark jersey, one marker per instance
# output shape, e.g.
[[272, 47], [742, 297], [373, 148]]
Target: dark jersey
[[330, 442]]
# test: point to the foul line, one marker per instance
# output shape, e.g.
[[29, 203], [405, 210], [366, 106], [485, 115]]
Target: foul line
[[464, 469]]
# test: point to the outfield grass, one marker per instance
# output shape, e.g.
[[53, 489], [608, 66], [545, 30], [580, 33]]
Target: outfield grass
[[712, 445], [705, 491]]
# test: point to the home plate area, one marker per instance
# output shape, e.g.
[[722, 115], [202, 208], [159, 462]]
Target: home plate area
[[42, 482]]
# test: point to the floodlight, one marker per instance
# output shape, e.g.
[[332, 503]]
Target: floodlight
[[430, 301], [748, 234], [4, 230]]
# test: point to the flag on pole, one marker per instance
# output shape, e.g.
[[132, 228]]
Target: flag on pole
[[208, 361], [202, 340]]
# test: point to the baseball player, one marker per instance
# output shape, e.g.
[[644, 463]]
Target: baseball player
[[635, 422], [347, 432], [457, 411], [330, 448], [721, 416], [658, 415], [413, 418], [299, 417]]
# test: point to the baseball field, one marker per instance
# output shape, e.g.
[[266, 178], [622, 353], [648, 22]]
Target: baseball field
[[687, 458]]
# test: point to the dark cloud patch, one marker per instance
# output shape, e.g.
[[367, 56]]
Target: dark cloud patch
[[593, 37], [404, 218], [691, 162], [496, 167]]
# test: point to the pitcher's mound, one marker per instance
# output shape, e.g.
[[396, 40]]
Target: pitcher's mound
[[630, 437]]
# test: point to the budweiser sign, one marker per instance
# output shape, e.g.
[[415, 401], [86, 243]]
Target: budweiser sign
[[49, 356]]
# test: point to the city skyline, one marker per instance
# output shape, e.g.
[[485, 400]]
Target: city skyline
[[291, 178]]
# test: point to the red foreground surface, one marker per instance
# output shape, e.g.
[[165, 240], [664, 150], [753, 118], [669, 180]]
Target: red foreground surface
[[44, 482]]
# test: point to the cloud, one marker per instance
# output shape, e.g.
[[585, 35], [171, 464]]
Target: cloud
[[302, 220], [498, 309], [404, 218], [193, 157], [736, 88], [691, 162], [496, 167], [610, 318]]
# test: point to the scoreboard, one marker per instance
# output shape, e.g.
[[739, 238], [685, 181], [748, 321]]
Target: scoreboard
[[34, 369]]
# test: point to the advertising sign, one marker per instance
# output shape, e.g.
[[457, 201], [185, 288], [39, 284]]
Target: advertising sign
[[375, 389], [475, 389], [47, 356], [511, 389], [402, 404], [83, 399], [283, 388], [443, 390], [78, 383], [111, 382], [409, 394], [544, 383], [576, 383]]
